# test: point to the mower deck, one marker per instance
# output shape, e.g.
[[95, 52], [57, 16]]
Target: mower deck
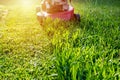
[[65, 15]]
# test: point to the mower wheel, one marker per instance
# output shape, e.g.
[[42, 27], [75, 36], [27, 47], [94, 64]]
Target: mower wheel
[[38, 9], [77, 17], [40, 17]]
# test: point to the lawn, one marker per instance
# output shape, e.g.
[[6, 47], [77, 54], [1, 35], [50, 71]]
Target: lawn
[[61, 50]]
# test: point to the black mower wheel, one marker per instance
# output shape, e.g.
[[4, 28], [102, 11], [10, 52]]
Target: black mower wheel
[[40, 19], [38, 9], [77, 17]]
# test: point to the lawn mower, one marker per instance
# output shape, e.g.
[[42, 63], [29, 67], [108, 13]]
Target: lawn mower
[[60, 9]]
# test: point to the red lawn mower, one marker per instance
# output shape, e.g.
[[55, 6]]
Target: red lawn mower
[[56, 9]]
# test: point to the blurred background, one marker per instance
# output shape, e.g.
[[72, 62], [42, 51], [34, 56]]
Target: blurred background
[[19, 2]]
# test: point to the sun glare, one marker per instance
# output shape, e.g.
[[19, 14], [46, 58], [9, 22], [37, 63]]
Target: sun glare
[[26, 3]]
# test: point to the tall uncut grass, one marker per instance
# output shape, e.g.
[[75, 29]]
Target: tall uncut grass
[[93, 51]]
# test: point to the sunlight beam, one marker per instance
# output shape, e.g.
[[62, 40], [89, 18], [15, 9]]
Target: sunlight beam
[[26, 3]]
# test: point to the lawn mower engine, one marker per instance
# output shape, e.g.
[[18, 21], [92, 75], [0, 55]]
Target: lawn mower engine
[[56, 9]]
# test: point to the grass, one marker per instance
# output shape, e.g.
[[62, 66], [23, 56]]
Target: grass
[[86, 50]]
